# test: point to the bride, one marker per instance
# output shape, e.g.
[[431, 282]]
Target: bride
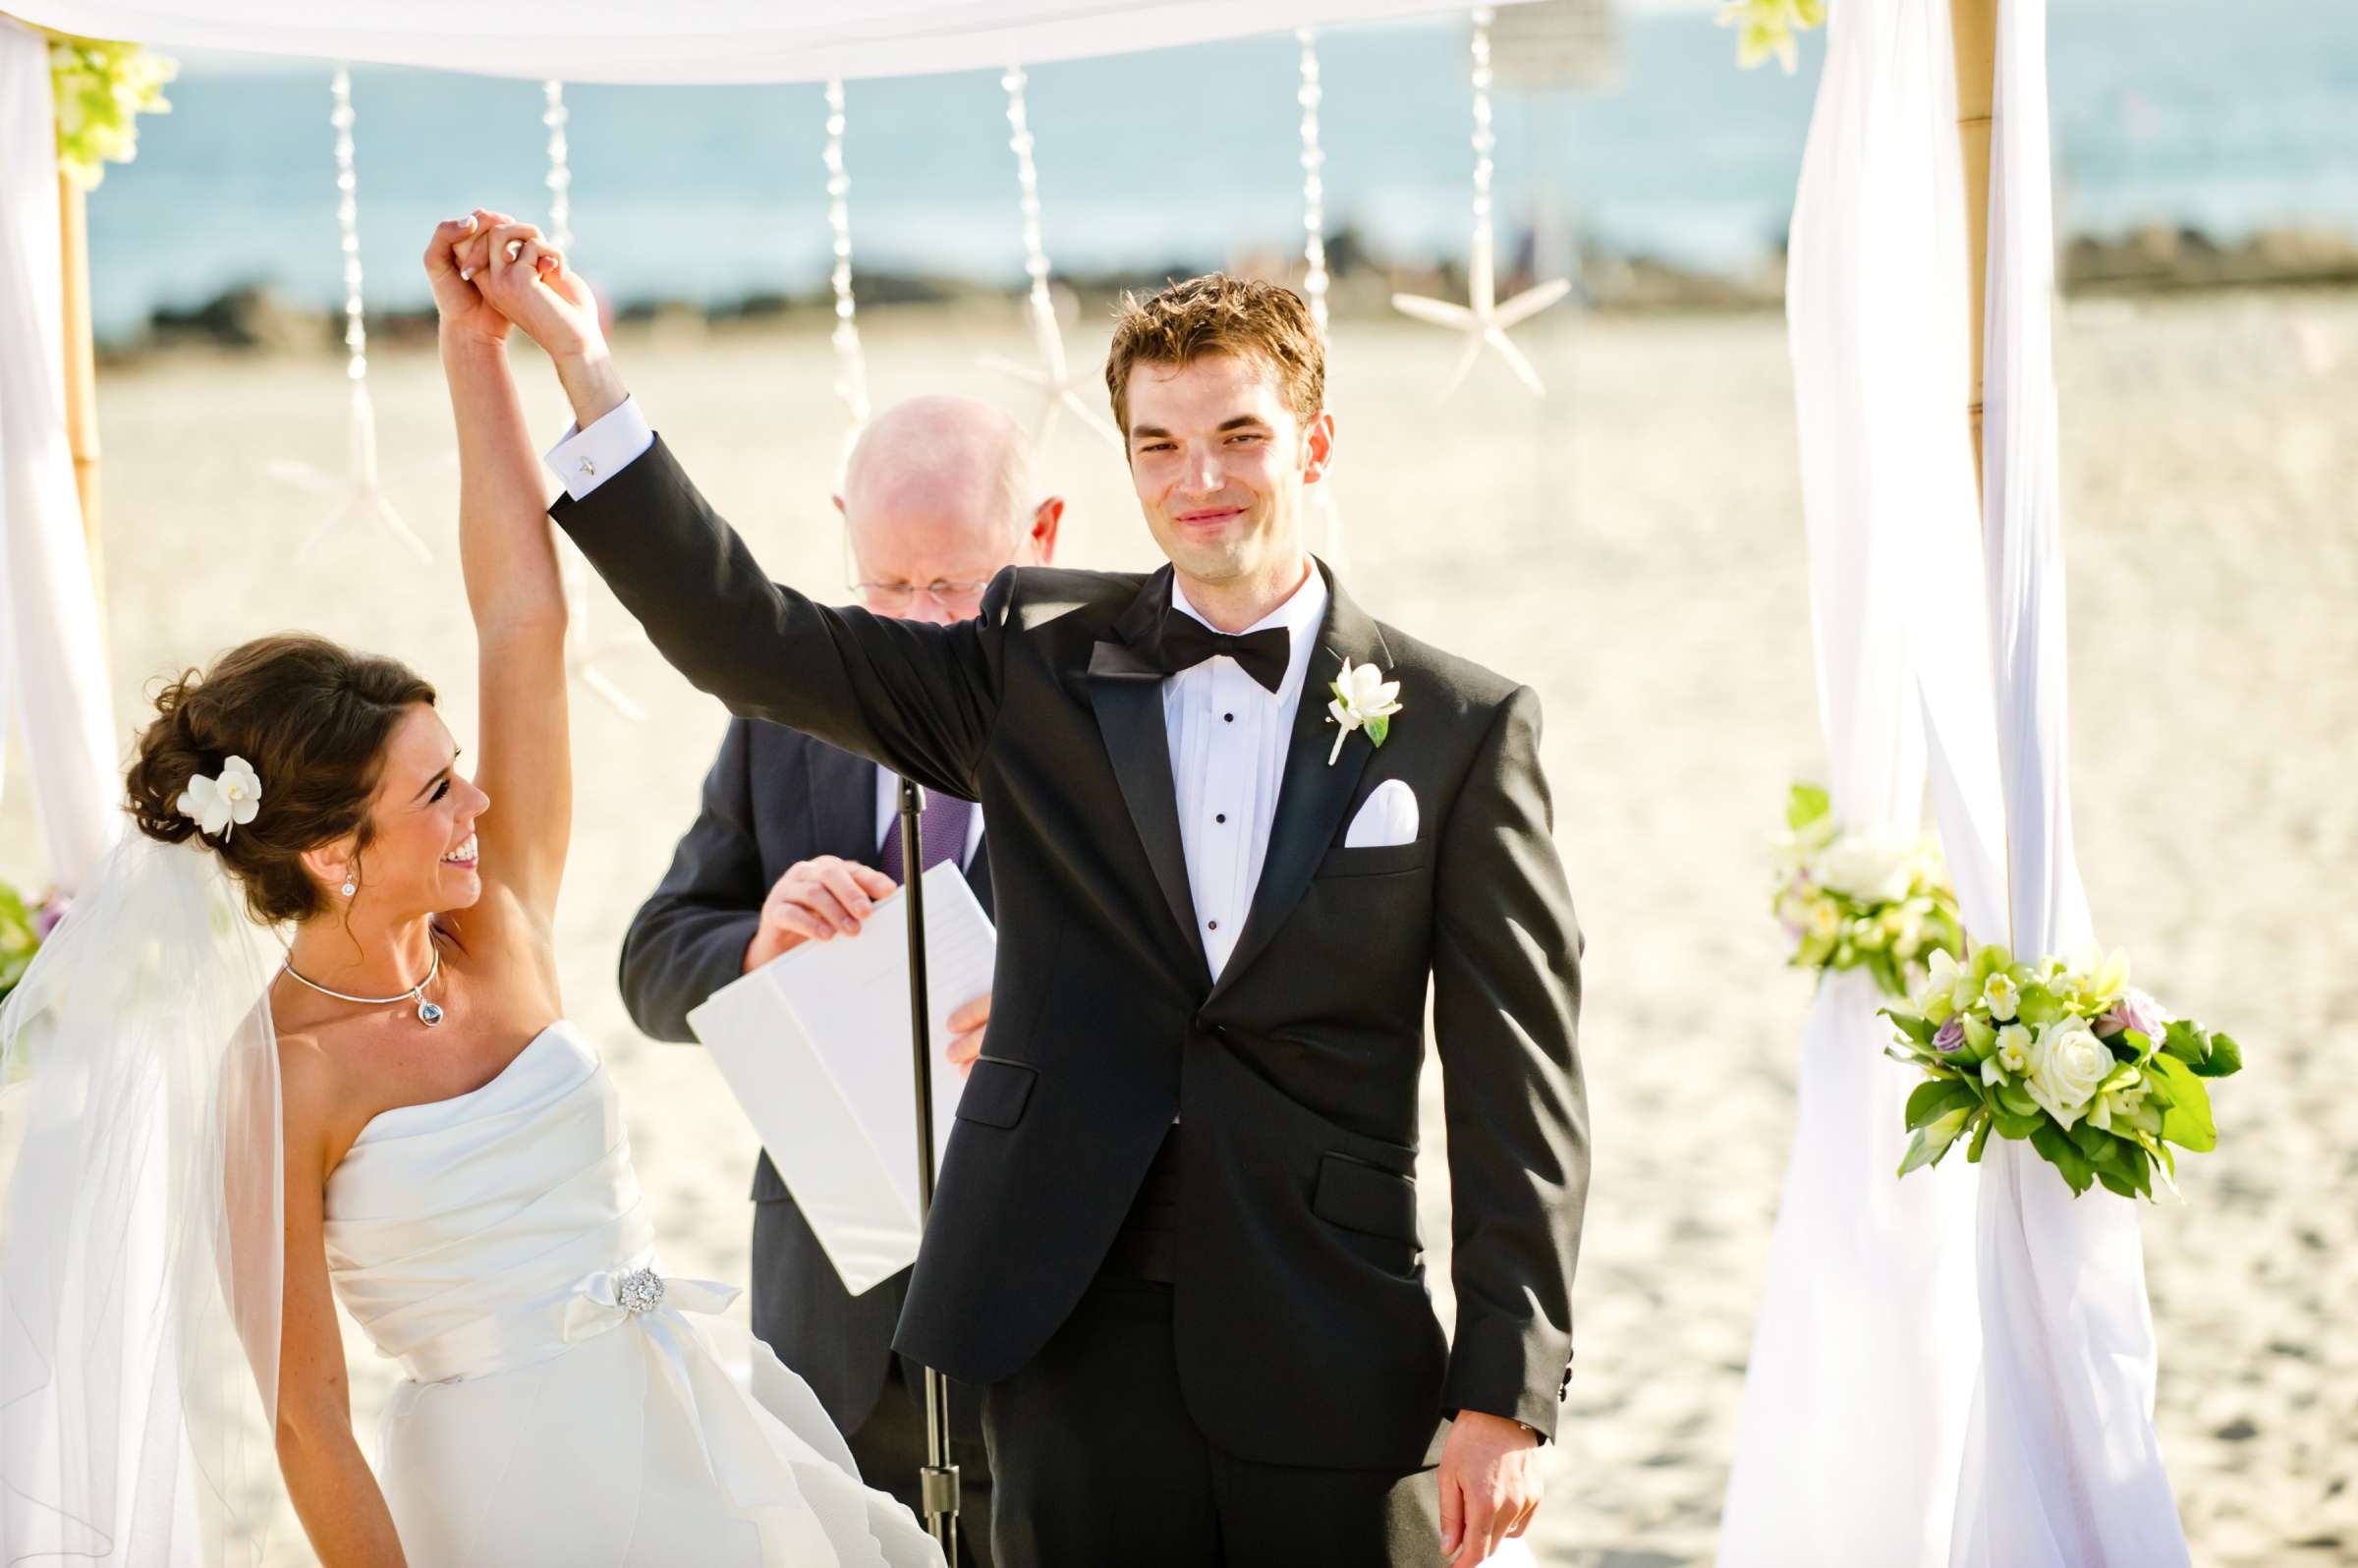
[[207, 1147]]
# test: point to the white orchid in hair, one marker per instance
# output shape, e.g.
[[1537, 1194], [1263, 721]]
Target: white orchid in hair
[[1363, 701], [218, 802]]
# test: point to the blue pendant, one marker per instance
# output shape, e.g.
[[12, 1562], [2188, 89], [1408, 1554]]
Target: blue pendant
[[428, 1012]]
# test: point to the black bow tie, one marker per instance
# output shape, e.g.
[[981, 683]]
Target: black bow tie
[[1184, 643]]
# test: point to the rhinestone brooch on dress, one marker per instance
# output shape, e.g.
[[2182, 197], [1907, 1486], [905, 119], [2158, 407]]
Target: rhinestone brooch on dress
[[641, 1290]]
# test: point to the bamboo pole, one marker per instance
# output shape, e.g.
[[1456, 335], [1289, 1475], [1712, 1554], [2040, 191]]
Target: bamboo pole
[[1973, 34], [81, 377]]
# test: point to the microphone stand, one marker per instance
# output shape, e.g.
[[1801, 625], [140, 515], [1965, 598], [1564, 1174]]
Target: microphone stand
[[938, 1480]]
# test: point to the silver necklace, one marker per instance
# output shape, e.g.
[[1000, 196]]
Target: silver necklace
[[429, 1013]]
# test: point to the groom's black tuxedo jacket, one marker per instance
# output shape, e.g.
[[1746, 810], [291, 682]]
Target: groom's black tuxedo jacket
[[775, 797], [1304, 1332]]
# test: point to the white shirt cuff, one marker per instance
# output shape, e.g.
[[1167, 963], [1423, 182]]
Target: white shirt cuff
[[583, 460]]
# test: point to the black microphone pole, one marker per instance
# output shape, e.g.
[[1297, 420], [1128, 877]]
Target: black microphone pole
[[937, 1482]]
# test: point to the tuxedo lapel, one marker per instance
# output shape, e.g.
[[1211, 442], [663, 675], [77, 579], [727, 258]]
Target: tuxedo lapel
[[1311, 796], [843, 804], [1126, 693]]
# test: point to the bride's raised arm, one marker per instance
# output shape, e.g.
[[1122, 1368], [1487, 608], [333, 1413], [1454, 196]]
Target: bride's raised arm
[[508, 554]]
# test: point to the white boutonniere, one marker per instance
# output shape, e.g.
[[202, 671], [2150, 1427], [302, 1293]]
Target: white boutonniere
[[1363, 701], [215, 805]]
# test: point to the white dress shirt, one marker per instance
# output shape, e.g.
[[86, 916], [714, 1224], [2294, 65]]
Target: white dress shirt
[[1228, 736], [1228, 733], [586, 459]]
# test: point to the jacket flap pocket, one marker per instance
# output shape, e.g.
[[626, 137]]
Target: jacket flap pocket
[[1373, 859], [996, 1092], [1360, 1197]]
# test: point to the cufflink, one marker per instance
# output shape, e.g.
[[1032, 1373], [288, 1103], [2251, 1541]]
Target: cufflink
[[589, 468]]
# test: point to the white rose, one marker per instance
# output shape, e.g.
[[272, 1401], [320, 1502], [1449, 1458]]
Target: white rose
[[1866, 870], [2067, 1063]]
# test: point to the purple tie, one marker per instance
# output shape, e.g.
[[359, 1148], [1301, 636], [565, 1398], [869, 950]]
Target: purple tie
[[942, 826]]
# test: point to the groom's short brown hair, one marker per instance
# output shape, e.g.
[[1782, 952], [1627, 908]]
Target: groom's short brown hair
[[1216, 314]]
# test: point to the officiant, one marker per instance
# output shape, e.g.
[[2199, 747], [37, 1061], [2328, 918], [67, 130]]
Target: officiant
[[794, 840]]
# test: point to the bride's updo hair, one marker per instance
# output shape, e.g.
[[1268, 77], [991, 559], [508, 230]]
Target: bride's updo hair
[[313, 718]]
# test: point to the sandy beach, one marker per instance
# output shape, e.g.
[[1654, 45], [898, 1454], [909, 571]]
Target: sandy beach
[[1631, 546]]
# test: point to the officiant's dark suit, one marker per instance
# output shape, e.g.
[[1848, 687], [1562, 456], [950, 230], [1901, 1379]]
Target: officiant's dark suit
[[774, 799], [1301, 1324]]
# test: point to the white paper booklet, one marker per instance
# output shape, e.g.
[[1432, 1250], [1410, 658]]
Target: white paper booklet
[[814, 1044]]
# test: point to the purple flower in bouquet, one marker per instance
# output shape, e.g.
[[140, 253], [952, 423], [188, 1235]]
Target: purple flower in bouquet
[[2134, 1009], [1950, 1037], [52, 911]]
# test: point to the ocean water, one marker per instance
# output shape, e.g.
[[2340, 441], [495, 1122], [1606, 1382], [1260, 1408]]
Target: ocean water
[[2226, 115]]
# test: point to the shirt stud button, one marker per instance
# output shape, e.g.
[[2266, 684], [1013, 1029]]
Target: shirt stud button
[[1223, 817], [1228, 718], [1213, 924]]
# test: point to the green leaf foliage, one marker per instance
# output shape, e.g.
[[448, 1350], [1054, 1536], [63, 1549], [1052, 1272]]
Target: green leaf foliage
[[2056, 1148], [2187, 1122], [1806, 805], [1937, 1098]]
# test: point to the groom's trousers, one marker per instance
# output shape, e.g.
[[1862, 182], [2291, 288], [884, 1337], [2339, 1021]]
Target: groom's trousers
[[1095, 1461]]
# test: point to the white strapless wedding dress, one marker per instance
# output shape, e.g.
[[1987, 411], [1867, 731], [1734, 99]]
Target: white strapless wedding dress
[[558, 1411]]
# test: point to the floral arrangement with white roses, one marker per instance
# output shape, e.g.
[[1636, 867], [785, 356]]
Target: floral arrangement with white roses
[[1850, 901], [2065, 1057]]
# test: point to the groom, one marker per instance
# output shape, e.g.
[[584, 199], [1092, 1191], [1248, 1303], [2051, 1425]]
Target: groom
[[1176, 1234]]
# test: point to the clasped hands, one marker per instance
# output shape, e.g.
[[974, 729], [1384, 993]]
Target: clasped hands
[[490, 272]]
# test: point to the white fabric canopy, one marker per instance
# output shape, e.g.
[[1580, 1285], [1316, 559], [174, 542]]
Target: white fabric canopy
[[1863, 1356], [697, 40], [53, 655], [2063, 1464]]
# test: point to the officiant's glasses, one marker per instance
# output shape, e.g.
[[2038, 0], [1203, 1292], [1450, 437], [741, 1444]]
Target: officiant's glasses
[[959, 599]]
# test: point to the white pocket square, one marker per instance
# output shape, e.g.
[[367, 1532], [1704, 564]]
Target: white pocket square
[[1386, 816]]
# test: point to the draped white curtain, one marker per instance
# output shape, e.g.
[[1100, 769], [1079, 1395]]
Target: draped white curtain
[[53, 655], [700, 40], [2062, 1465], [1861, 1362]]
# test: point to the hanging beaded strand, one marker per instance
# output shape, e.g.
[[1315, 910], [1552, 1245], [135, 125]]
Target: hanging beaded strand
[[1313, 183], [348, 224], [850, 366], [1314, 259], [1059, 392], [560, 173], [360, 486], [1484, 318], [573, 568]]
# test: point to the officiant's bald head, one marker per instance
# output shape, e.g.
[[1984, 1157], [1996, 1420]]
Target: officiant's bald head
[[939, 495]]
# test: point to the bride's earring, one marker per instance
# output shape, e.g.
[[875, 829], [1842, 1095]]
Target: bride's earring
[[350, 887]]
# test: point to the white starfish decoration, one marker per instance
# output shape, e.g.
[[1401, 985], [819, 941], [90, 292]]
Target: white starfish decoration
[[1060, 391], [1485, 320], [363, 489]]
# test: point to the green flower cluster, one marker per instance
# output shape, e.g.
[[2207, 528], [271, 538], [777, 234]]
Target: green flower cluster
[[102, 87], [2065, 1057], [1852, 902], [21, 931], [1767, 27]]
